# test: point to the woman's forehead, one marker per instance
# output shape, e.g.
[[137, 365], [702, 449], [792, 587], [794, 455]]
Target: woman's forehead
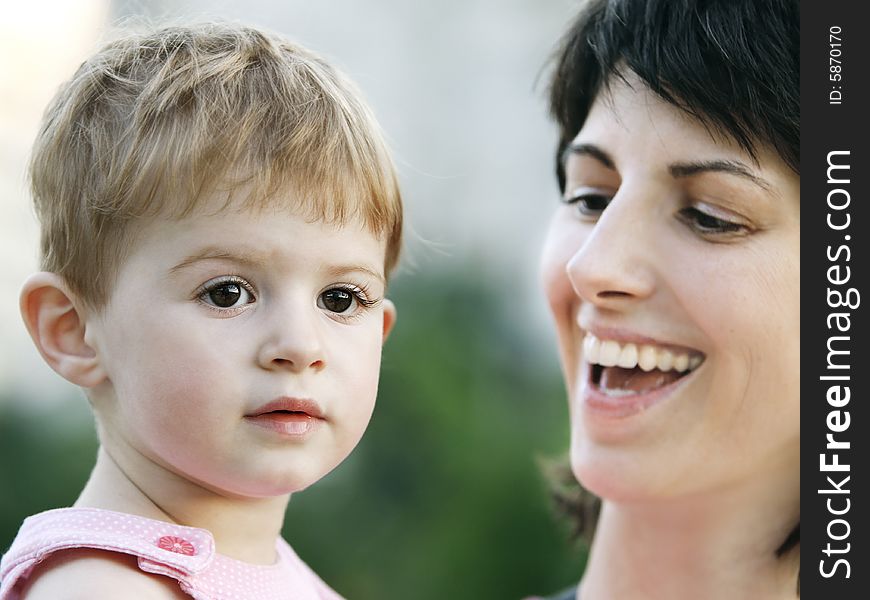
[[628, 119]]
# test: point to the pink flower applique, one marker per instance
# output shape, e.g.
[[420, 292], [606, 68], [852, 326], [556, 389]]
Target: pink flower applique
[[177, 545]]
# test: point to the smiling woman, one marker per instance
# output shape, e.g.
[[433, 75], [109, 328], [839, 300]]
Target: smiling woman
[[672, 272]]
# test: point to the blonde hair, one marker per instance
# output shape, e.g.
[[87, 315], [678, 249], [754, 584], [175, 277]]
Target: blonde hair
[[152, 123]]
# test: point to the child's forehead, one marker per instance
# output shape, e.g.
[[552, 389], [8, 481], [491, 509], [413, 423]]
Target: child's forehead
[[245, 223], [263, 240], [281, 235], [226, 202]]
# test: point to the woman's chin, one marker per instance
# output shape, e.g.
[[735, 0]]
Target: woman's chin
[[613, 478]]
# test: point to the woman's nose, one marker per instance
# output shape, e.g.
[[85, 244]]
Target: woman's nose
[[616, 261], [294, 342]]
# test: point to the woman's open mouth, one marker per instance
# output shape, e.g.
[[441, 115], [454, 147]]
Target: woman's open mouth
[[625, 378]]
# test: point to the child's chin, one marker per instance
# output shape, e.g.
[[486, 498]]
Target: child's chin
[[273, 489], [263, 489]]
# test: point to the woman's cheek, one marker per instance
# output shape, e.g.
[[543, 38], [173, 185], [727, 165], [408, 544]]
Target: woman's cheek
[[559, 247], [562, 299]]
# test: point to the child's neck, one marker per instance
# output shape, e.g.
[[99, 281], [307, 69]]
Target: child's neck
[[243, 528]]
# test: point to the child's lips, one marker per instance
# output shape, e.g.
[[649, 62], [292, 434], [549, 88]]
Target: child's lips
[[288, 416], [286, 405]]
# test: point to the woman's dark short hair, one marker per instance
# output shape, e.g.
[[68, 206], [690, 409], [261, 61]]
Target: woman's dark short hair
[[732, 64]]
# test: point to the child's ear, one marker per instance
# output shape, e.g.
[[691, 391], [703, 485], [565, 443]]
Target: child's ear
[[389, 317], [57, 325]]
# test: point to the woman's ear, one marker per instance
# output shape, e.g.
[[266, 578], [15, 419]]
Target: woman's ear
[[389, 317], [56, 322]]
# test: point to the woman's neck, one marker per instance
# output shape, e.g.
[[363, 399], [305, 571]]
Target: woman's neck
[[243, 528], [720, 546]]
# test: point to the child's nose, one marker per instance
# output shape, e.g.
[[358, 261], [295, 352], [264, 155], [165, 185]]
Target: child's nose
[[294, 344]]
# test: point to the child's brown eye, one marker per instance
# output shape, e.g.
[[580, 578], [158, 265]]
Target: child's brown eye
[[336, 300], [227, 294]]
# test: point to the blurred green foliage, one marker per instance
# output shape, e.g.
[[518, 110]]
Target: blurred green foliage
[[443, 498]]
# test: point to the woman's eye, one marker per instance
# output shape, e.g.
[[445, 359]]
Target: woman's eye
[[227, 294], [706, 223], [337, 300], [589, 204]]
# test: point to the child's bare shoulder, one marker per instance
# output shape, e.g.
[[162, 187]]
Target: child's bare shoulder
[[85, 574]]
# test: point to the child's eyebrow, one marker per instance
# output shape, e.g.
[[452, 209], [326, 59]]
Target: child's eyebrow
[[214, 253], [339, 270], [258, 260]]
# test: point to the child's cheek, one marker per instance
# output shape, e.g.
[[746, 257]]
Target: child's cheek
[[181, 378], [355, 386]]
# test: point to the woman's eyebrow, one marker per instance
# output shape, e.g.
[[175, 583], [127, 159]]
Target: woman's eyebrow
[[589, 150], [731, 167]]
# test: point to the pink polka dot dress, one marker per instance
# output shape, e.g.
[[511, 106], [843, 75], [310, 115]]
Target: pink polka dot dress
[[186, 554]]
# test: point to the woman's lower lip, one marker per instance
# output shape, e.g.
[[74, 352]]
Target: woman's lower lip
[[289, 424], [603, 404]]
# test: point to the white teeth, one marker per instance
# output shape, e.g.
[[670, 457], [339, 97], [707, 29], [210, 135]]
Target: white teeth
[[591, 347], [628, 357], [666, 360], [609, 353], [617, 393], [647, 359]]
